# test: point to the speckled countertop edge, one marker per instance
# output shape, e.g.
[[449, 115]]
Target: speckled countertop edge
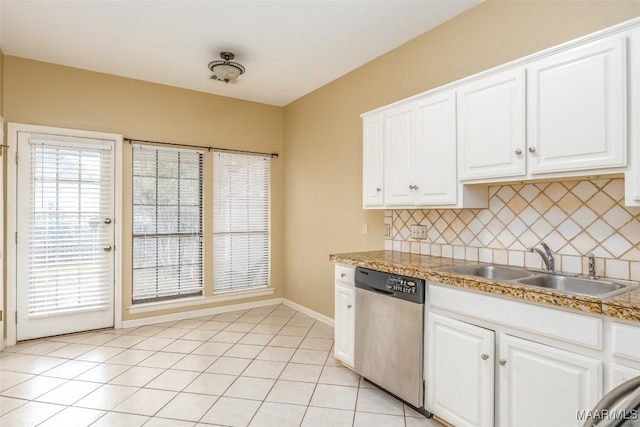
[[624, 306]]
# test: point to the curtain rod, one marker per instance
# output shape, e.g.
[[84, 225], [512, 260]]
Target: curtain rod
[[227, 150]]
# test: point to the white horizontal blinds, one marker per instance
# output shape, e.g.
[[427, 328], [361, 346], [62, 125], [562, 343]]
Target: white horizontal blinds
[[240, 221], [70, 198], [167, 223]]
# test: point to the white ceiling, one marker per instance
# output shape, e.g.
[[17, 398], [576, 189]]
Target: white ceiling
[[289, 48]]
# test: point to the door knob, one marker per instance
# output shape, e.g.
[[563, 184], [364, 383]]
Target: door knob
[[518, 151], [502, 362], [107, 220], [484, 356], [107, 248], [532, 149]]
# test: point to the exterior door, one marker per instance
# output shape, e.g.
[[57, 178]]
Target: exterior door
[[65, 257]]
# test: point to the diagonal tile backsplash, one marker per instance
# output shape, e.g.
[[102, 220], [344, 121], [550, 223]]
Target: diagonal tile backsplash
[[572, 217]]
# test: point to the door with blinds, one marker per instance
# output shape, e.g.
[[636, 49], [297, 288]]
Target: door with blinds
[[65, 252]]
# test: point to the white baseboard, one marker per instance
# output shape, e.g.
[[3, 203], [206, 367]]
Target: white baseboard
[[321, 317], [203, 312]]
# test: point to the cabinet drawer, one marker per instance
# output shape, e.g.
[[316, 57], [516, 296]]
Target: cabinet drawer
[[626, 341], [345, 274]]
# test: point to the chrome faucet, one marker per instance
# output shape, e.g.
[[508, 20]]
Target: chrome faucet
[[592, 265], [547, 257]]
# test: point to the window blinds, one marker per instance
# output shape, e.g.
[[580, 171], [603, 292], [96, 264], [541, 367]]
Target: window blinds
[[70, 196], [167, 223], [240, 221]]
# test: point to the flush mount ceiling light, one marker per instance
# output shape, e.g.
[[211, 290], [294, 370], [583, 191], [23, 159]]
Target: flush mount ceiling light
[[226, 70]]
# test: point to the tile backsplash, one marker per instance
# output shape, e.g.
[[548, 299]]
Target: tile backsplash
[[572, 217]]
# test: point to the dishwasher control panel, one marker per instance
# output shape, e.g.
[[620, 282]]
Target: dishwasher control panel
[[391, 285], [401, 284]]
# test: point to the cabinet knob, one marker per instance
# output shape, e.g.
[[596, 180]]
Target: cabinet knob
[[342, 274], [350, 305], [107, 221], [378, 189], [415, 187], [107, 248], [532, 149], [411, 187], [518, 151], [502, 362], [484, 356]]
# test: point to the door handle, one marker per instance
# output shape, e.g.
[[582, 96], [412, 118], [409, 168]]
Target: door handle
[[107, 248]]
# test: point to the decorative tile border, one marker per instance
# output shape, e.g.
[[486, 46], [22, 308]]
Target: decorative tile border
[[572, 217]]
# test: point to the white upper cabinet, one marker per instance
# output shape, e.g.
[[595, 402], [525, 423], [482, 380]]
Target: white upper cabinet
[[491, 126], [577, 108], [372, 171], [399, 138], [435, 150], [420, 152]]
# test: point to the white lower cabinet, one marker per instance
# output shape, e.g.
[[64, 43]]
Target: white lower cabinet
[[619, 374], [345, 316], [544, 386], [460, 372], [534, 384]]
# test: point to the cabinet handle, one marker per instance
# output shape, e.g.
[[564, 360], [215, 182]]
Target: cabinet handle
[[518, 151], [502, 362], [484, 356], [350, 305], [342, 274], [532, 149], [378, 189]]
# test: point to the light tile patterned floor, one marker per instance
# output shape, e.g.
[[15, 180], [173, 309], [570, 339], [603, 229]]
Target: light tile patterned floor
[[269, 366]]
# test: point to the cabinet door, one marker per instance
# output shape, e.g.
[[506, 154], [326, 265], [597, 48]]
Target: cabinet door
[[398, 156], [372, 165], [345, 319], [460, 372], [435, 150], [619, 374], [577, 107], [544, 386], [491, 131]]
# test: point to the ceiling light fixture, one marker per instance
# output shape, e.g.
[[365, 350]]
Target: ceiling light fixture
[[226, 70]]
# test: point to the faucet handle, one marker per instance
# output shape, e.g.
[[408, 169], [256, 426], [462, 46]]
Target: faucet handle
[[592, 265]]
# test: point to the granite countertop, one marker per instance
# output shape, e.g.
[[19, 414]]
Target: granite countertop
[[623, 306]]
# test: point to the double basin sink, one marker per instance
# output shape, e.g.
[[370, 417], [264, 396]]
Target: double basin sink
[[572, 284]]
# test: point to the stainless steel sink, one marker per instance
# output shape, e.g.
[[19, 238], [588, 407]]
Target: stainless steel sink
[[576, 285], [490, 271], [572, 284]]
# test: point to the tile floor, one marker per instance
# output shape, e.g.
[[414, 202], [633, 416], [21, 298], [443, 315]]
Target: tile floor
[[269, 366]]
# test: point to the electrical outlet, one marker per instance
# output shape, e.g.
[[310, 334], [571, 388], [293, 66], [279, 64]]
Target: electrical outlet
[[418, 231], [387, 230]]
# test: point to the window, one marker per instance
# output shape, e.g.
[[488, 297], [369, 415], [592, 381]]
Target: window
[[167, 223], [240, 221]]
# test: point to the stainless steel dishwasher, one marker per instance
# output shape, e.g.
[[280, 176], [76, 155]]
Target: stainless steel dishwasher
[[389, 333]]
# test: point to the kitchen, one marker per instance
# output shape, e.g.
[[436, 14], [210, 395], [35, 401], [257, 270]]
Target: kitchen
[[317, 183]]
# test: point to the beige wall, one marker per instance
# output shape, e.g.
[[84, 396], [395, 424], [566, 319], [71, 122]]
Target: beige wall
[[323, 136], [52, 95]]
